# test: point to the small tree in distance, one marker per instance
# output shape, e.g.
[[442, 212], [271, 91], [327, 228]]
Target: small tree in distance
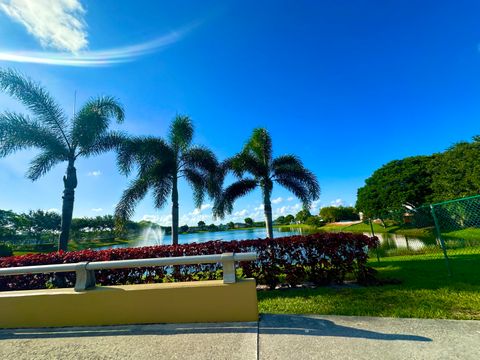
[[302, 216], [249, 221], [289, 219]]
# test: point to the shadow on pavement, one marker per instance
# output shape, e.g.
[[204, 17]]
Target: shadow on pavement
[[309, 326], [269, 324]]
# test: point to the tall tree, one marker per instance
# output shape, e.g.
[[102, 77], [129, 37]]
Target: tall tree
[[57, 138], [456, 171], [396, 184], [160, 164], [256, 160]]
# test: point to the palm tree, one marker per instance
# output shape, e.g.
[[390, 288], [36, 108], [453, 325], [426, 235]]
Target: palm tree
[[256, 160], [161, 164], [57, 138]]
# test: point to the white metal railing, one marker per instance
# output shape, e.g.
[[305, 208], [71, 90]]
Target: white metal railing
[[85, 271]]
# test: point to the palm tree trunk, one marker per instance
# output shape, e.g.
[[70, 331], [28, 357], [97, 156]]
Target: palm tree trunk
[[175, 211], [267, 209], [69, 183]]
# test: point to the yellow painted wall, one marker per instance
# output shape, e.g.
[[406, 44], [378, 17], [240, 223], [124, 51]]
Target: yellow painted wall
[[202, 301]]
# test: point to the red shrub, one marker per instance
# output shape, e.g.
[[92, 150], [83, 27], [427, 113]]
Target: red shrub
[[321, 258]]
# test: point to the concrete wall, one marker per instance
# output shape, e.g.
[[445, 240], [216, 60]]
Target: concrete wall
[[202, 301]]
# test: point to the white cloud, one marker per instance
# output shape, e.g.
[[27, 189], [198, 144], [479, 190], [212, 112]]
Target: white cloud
[[55, 210], [165, 220], [95, 173], [241, 213], [287, 209], [198, 211], [57, 24], [337, 202], [97, 209], [98, 57], [191, 219], [282, 211], [278, 200], [259, 208], [314, 206], [290, 198]]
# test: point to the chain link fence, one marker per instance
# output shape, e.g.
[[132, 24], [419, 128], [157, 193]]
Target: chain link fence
[[448, 230]]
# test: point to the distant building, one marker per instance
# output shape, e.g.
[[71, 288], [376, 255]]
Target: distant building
[[240, 225]]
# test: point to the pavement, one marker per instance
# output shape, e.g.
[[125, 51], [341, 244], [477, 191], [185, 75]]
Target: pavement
[[273, 337]]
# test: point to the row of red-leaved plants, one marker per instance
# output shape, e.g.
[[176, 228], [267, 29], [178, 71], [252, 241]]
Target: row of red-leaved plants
[[322, 258]]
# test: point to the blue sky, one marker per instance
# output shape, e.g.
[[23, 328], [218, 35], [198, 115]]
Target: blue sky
[[345, 85]]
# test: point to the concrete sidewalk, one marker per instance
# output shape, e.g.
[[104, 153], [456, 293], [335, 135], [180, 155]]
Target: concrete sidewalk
[[274, 337]]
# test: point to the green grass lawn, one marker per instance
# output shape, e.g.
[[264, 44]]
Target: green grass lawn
[[426, 292], [74, 245], [379, 229]]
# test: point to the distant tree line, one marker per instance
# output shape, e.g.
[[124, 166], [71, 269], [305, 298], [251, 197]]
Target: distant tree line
[[418, 180], [41, 226]]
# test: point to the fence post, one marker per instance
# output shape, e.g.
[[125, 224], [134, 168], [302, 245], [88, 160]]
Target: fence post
[[228, 262], [85, 279], [440, 239], [373, 234]]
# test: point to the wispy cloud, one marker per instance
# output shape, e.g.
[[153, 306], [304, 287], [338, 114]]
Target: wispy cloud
[[199, 210], [259, 208], [240, 213], [95, 173], [57, 24], [277, 200], [97, 57], [97, 209], [337, 202]]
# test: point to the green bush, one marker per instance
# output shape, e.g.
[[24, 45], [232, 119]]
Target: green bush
[[5, 250]]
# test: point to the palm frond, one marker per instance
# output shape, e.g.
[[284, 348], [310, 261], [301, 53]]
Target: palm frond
[[224, 203], [93, 120], [287, 161], [200, 157], [135, 192], [42, 164], [36, 99], [110, 140], [162, 186], [198, 183], [181, 132], [246, 162], [144, 152], [18, 132], [300, 175], [300, 189], [260, 144]]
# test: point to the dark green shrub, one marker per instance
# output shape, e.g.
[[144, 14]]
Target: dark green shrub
[[5, 250]]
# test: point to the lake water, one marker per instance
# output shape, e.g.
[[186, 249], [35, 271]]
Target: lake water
[[151, 238], [390, 244], [396, 241]]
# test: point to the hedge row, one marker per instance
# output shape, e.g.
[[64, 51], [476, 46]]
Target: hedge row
[[322, 258]]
